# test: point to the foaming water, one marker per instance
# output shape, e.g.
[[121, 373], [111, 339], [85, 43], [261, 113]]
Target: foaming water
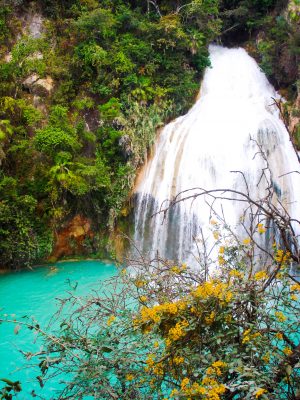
[[235, 113]]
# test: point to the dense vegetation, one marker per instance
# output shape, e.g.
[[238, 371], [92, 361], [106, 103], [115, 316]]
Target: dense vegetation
[[82, 96]]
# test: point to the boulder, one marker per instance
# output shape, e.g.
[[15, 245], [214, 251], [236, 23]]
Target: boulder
[[29, 82], [43, 87], [39, 86]]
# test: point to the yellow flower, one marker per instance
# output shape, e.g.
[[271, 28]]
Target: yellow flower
[[213, 288], [279, 275], [158, 369], [221, 250], [143, 299], [266, 357], [221, 260], [210, 319], [246, 339], [260, 275], [156, 345], [259, 392], [235, 273], [170, 308], [129, 377], [139, 283], [279, 335], [110, 320], [294, 297], [295, 287], [282, 257], [247, 336], [216, 235], [287, 351], [175, 269], [215, 368], [247, 241], [219, 364], [178, 360], [150, 359], [208, 381], [149, 315], [280, 316], [178, 331], [261, 229], [213, 222], [228, 318], [184, 383]]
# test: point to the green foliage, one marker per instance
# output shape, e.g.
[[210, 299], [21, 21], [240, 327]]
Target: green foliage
[[110, 110], [297, 136], [120, 69], [4, 30], [58, 135], [265, 49], [100, 23], [279, 50], [245, 15], [17, 241], [51, 139]]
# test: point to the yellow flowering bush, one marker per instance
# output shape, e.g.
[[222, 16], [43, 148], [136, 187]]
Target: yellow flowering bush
[[172, 332]]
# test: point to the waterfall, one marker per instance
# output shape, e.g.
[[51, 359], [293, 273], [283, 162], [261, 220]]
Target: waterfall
[[234, 114]]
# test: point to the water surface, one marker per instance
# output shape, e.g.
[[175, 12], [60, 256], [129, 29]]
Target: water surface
[[34, 293]]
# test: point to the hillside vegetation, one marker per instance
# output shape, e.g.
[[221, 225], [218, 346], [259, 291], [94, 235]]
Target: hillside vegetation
[[85, 84]]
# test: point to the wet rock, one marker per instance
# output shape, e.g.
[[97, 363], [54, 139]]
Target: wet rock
[[126, 146], [73, 237]]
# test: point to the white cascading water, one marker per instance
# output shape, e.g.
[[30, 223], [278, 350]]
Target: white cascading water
[[200, 149]]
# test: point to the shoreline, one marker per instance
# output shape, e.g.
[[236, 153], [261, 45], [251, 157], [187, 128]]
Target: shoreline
[[4, 271]]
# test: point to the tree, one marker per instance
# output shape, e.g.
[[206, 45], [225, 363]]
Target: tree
[[226, 330]]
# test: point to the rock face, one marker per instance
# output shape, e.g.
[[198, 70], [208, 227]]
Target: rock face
[[126, 146], [39, 86], [32, 21], [35, 25], [74, 238]]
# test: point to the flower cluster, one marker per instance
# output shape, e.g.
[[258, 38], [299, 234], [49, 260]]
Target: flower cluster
[[178, 331], [213, 288], [248, 336], [281, 256]]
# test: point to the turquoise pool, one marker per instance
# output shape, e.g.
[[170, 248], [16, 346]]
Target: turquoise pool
[[34, 293]]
